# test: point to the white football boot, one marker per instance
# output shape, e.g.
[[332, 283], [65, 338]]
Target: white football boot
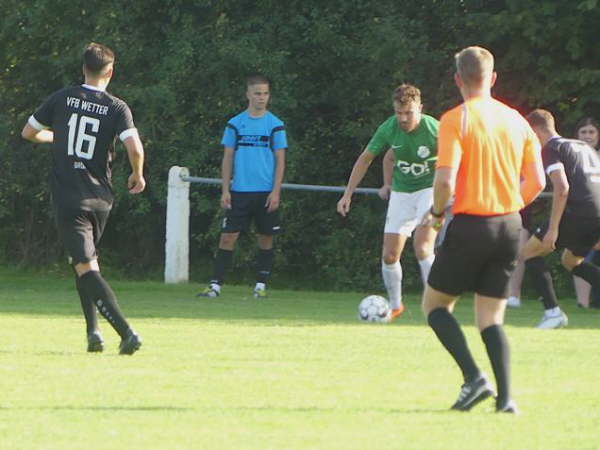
[[551, 321]]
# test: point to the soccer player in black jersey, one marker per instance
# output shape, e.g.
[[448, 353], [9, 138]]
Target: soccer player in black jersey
[[574, 224], [82, 123]]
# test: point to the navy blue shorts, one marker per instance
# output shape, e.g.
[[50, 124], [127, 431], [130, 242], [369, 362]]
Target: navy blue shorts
[[248, 207]]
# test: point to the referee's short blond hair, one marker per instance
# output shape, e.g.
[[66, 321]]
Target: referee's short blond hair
[[474, 65]]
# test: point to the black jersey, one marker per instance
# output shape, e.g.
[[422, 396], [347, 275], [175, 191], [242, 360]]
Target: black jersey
[[581, 164], [85, 122]]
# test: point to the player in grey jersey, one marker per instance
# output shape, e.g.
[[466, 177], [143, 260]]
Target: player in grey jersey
[[82, 123], [574, 224]]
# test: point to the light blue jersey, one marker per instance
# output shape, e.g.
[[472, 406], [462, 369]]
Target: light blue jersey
[[255, 140]]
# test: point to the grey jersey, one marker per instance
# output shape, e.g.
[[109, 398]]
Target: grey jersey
[[85, 123], [581, 164]]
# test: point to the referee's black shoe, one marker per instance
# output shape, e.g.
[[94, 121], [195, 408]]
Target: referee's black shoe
[[95, 342], [130, 344], [473, 392]]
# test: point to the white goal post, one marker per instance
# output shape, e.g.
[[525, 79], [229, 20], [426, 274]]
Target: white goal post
[[177, 243]]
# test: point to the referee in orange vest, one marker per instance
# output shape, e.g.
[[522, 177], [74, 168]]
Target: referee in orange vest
[[485, 149]]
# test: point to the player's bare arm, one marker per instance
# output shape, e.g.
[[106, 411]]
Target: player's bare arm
[[226, 169], [135, 152], [388, 170], [43, 136], [358, 173], [560, 193], [275, 195]]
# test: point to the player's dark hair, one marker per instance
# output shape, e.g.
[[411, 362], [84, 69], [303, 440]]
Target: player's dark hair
[[541, 118], [406, 93], [97, 57], [257, 79]]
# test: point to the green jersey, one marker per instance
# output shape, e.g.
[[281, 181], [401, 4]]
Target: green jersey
[[415, 152]]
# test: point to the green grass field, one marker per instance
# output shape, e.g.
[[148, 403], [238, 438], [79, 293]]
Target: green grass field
[[294, 371]]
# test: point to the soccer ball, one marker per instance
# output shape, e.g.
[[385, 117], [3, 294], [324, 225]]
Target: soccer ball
[[374, 308]]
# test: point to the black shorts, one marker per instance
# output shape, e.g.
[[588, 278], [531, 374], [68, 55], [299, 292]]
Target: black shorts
[[248, 206], [80, 232], [578, 234], [527, 218], [479, 253]]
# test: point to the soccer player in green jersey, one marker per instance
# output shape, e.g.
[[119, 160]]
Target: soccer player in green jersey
[[412, 137]]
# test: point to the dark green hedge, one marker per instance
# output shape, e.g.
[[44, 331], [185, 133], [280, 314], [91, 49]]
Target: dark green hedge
[[181, 66]]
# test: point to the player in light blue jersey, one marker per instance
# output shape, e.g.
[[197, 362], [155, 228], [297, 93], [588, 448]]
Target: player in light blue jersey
[[254, 144]]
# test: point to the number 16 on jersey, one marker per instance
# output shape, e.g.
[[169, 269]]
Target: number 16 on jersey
[[78, 134]]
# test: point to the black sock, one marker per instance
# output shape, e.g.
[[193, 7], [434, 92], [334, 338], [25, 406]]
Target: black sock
[[222, 264], [264, 265], [498, 351], [451, 336], [542, 280], [100, 293], [589, 272], [88, 308]]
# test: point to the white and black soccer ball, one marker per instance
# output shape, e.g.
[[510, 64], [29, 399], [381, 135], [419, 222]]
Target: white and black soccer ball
[[374, 308]]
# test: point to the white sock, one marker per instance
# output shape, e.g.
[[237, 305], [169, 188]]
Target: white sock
[[260, 287], [215, 287], [392, 278], [553, 312], [425, 265]]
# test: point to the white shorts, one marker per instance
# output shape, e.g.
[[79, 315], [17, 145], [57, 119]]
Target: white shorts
[[405, 210]]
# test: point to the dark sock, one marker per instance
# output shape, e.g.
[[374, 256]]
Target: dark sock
[[264, 265], [498, 351], [589, 272], [542, 280], [451, 336], [88, 308], [100, 293], [222, 264]]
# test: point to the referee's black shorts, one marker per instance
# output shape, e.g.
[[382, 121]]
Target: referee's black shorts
[[80, 232], [247, 207], [577, 234], [479, 253]]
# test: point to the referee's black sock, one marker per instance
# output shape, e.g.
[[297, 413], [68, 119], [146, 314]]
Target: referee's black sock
[[498, 351], [88, 308], [451, 336], [589, 272], [542, 280], [264, 265], [98, 290], [222, 264]]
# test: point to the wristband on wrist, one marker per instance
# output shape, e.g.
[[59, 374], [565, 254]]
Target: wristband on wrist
[[436, 215]]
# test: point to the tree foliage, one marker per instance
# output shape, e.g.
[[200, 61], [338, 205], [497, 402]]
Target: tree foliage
[[181, 66]]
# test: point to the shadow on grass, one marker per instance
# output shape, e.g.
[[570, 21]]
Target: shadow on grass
[[265, 409], [54, 295], [96, 408]]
